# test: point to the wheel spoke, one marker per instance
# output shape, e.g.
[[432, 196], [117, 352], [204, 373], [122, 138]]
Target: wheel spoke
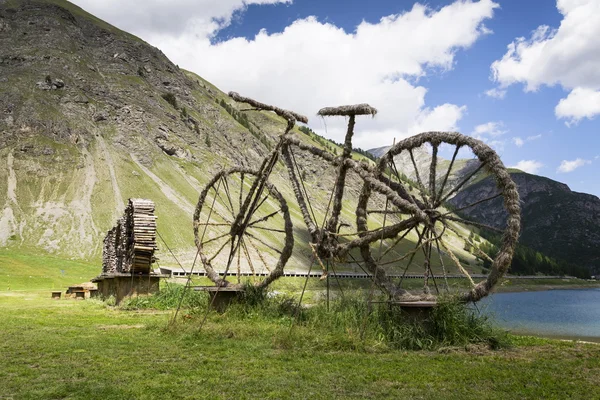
[[473, 204], [262, 219], [215, 238], [212, 224], [390, 248], [409, 254], [437, 245], [241, 191], [410, 197], [220, 249], [262, 259], [248, 257], [466, 240], [225, 203], [473, 223], [427, 264], [212, 209], [413, 252], [382, 211], [461, 184], [267, 229], [439, 194], [260, 240], [432, 168], [258, 205], [457, 263], [226, 186], [239, 269], [419, 182]]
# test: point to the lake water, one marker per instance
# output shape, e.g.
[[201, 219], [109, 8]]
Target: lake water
[[555, 313]]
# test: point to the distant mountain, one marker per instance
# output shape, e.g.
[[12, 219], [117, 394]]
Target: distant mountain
[[555, 220]]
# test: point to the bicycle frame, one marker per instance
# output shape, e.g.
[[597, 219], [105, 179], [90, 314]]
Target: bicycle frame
[[324, 238]]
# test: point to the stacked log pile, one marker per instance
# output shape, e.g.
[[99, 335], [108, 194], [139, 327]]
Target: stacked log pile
[[109, 252], [129, 246], [140, 253]]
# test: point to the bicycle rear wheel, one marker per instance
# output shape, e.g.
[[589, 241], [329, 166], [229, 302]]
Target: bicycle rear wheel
[[230, 254]]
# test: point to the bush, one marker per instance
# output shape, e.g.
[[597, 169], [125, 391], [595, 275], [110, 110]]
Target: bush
[[450, 323], [168, 298], [171, 99]]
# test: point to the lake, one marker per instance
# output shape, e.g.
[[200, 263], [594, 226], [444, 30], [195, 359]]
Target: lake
[[553, 313]]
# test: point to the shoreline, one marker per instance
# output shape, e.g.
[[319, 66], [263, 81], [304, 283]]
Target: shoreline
[[542, 288]]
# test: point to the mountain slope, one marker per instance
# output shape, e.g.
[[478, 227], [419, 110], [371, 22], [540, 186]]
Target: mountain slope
[[555, 220], [85, 125], [91, 116]]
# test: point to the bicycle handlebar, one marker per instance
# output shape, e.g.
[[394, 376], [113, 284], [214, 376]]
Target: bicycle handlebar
[[289, 115]]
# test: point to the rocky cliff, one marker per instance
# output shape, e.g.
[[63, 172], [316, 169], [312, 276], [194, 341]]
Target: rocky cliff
[[555, 220]]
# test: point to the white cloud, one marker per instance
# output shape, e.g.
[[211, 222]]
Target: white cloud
[[568, 56], [569, 166], [489, 133], [529, 166], [580, 103], [489, 128], [496, 93], [519, 142], [168, 17], [312, 64]]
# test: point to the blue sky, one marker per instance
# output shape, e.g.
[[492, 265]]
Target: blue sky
[[439, 65]]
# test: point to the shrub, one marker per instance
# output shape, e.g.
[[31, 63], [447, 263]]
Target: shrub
[[171, 99], [168, 298]]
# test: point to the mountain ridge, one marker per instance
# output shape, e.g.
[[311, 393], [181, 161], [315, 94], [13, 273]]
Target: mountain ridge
[[555, 220]]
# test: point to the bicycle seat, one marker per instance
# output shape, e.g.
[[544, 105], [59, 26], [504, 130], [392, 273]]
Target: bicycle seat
[[357, 109]]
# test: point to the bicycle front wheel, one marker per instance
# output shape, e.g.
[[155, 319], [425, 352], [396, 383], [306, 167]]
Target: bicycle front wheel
[[450, 242]]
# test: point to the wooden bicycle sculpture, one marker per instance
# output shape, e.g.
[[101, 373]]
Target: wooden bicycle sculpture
[[242, 219]]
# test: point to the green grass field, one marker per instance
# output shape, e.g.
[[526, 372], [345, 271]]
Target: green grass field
[[84, 349]]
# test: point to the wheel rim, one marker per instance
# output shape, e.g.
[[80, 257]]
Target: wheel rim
[[434, 249], [266, 242]]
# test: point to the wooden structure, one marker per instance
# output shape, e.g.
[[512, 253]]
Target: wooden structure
[[221, 297], [120, 285], [130, 245], [128, 254], [242, 223]]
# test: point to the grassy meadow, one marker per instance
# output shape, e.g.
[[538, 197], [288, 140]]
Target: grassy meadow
[[90, 349], [85, 349]]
